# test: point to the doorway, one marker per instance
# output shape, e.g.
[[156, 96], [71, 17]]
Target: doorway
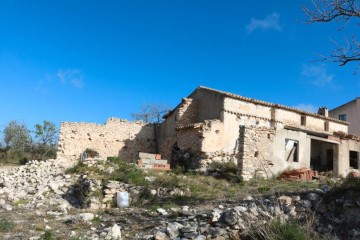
[[322, 155]]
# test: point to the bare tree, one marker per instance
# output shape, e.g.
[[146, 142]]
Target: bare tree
[[343, 12], [152, 112]]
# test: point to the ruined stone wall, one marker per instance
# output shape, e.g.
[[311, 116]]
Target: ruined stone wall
[[255, 151], [116, 137], [187, 113], [210, 104]]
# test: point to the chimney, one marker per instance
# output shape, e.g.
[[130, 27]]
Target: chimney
[[323, 111]]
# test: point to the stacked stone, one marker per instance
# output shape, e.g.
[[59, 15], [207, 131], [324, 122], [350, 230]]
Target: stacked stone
[[255, 151], [152, 161], [188, 112]]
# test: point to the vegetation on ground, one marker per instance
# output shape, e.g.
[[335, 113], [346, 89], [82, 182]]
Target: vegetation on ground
[[277, 230], [220, 183], [6, 225], [348, 185]]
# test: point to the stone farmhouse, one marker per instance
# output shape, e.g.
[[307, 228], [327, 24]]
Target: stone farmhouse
[[350, 112], [261, 138]]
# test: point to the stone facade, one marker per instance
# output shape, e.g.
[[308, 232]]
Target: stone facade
[[116, 137]]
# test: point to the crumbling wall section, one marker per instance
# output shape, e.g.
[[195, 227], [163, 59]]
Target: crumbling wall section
[[187, 113], [255, 151], [116, 137]]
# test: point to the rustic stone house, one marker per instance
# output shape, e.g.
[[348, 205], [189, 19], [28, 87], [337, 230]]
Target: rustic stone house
[[261, 138]]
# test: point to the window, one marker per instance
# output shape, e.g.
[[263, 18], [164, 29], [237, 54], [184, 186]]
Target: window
[[291, 150], [326, 126], [303, 120], [343, 117]]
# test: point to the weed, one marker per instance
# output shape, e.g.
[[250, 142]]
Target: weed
[[96, 219], [21, 202], [47, 235], [263, 189], [276, 230], [5, 225], [79, 168], [225, 170], [39, 228]]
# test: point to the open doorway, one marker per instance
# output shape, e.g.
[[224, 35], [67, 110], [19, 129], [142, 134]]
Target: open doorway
[[322, 156], [354, 162]]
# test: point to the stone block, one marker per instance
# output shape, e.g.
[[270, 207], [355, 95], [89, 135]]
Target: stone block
[[153, 161], [143, 155], [144, 161]]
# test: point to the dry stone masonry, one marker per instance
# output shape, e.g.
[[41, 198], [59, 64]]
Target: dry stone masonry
[[116, 137]]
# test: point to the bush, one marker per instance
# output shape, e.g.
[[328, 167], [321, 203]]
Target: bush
[[47, 235], [5, 225], [350, 184], [23, 161], [127, 172], [276, 230], [225, 170], [79, 168]]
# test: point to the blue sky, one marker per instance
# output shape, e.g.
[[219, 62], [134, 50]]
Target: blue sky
[[91, 60]]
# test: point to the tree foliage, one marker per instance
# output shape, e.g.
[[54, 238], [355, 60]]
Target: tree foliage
[[152, 113], [344, 12], [20, 146], [17, 136], [45, 133]]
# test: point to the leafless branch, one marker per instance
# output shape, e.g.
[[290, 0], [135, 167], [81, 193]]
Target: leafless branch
[[341, 11]]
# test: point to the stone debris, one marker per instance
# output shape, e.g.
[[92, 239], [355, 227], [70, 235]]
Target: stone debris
[[230, 222]]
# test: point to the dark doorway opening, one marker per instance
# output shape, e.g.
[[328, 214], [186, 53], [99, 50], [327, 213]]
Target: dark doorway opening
[[354, 156], [322, 155]]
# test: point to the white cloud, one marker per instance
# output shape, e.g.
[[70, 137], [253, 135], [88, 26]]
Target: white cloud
[[270, 22], [307, 107], [73, 76], [318, 75]]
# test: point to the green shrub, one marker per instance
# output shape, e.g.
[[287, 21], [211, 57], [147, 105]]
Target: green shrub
[[348, 185], [264, 189], [23, 161], [127, 172], [5, 225], [276, 230], [79, 168], [225, 170], [47, 235]]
